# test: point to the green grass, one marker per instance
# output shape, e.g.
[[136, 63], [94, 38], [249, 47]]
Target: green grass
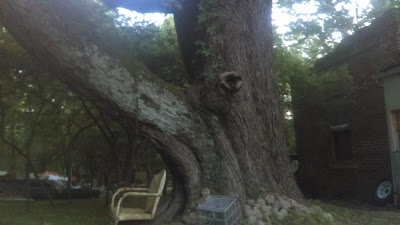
[[360, 214], [79, 212], [93, 212]]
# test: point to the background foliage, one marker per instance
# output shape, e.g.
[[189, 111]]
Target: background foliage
[[45, 122]]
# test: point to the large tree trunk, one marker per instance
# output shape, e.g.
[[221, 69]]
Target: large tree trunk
[[223, 132]]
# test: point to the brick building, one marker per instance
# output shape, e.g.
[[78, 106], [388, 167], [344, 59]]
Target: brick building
[[344, 154]]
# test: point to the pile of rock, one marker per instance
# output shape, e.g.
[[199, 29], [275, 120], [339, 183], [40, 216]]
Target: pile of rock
[[272, 206], [260, 211]]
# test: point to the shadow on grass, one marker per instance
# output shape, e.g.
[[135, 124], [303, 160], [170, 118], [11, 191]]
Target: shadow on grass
[[78, 212]]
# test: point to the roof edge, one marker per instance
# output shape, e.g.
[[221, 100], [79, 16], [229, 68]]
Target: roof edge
[[354, 44]]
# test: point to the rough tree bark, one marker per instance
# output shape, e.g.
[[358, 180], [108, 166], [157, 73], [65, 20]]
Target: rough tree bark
[[224, 131]]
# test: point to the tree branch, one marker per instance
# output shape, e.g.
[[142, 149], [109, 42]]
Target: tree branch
[[52, 31], [75, 40]]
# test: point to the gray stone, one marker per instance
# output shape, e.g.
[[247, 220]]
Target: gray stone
[[284, 204], [281, 214], [247, 207], [251, 202], [249, 213], [266, 209], [260, 222], [270, 200], [258, 213], [328, 217], [252, 219], [261, 201], [316, 208], [293, 202], [308, 210]]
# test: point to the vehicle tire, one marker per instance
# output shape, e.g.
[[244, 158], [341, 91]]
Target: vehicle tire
[[383, 192]]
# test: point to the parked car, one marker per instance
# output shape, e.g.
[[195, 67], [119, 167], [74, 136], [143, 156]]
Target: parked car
[[41, 189]]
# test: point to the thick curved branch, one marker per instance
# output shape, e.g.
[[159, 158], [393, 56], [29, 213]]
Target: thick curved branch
[[65, 35], [52, 31], [47, 31]]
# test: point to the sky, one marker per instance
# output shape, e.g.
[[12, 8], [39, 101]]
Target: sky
[[157, 18], [281, 17]]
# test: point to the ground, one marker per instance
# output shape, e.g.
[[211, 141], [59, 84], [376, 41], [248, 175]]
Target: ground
[[360, 214], [93, 212], [79, 212]]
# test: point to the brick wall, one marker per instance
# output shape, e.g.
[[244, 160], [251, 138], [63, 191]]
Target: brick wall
[[368, 52]]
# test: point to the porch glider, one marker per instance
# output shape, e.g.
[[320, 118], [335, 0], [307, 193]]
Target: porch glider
[[153, 194]]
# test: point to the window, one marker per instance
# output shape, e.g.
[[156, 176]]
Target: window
[[341, 141], [339, 120]]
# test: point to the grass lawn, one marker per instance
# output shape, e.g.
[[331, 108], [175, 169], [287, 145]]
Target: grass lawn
[[93, 212], [79, 212], [360, 214]]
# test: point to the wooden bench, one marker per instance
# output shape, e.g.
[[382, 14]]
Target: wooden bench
[[153, 194]]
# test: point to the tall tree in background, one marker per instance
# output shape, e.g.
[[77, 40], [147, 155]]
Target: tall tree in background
[[222, 131], [40, 114], [315, 34]]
